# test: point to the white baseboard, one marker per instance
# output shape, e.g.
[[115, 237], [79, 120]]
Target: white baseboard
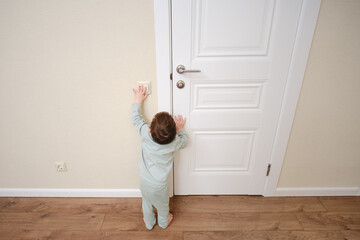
[[68, 192], [83, 192], [346, 191]]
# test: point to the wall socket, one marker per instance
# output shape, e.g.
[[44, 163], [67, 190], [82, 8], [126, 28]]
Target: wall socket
[[61, 166], [147, 85]]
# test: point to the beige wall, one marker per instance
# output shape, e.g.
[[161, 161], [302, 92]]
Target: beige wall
[[66, 72], [324, 147]]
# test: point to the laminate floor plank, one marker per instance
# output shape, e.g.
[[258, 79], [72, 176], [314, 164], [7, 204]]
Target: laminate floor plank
[[147, 235], [51, 221], [3, 202], [207, 222], [87, 235], [244, 204], [71, 205], [273, 235], [330, 220], [46, 235], [123, 222], [341, 204]]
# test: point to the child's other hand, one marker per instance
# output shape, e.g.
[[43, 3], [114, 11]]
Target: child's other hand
[[140, 94], [180, 122]]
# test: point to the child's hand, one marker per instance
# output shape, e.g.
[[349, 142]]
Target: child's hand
[[180, 122], [140, 94]]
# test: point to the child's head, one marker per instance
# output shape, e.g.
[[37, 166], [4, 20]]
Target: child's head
[[163, 128]]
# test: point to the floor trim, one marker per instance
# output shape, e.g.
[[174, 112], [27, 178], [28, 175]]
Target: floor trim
[[68, 192], [346, 191], [95, 192]]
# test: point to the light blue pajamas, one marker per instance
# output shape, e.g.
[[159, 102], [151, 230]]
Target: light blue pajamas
[[155, 164]]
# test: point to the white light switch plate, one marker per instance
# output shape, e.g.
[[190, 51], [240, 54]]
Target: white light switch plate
[[147, 85]]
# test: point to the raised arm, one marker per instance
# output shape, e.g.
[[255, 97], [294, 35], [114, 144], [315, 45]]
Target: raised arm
[[183, 139], [137, 119], [180, 123]]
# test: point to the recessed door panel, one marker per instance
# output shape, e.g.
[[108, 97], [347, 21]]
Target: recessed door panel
[[226, 96], [222, 152], [215, 33]]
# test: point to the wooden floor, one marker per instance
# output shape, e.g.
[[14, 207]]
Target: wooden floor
[[195, 218]]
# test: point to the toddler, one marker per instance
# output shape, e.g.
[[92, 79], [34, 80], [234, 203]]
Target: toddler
[[158, 144]]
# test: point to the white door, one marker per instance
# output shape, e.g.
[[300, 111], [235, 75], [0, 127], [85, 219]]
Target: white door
[[243, 49]]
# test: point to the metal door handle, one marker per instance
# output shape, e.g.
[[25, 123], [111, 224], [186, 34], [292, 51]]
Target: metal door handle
[[180, 84], [181, 69]]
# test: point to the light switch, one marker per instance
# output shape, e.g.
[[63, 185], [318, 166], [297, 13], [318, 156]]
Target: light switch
[[147, 85]]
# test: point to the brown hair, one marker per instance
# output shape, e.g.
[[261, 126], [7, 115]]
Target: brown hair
[[163, 128]]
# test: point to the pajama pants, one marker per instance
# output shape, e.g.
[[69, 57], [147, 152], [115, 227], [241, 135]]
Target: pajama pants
[[158, 197]]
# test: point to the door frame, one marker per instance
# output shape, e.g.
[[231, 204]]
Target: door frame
[[305, 31]]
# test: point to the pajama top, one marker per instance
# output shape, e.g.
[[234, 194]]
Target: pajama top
[[156, 160]]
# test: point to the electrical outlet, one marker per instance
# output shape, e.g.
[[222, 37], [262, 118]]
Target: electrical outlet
[[61, 166], [147, 85]]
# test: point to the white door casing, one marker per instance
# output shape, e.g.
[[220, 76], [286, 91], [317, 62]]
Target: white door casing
[[244, 51]]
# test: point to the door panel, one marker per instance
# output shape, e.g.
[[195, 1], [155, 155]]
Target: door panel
[[222, 95], [243, 49], [210, 154], [215, 33]]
